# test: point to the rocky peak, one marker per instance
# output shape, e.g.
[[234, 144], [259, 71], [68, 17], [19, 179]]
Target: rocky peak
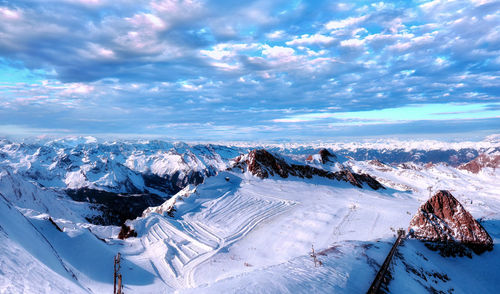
[[126, 232], [323, 156], [263, 164], [482, 161], [379, 165], [326, 156], [442, 219], [376, 162]]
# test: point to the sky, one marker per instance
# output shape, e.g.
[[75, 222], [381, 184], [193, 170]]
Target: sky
[[249, 70]]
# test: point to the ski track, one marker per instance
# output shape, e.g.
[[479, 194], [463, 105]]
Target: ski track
[[190, 242], [337, 231]]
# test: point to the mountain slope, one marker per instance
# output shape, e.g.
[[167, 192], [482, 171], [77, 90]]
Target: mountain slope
[[29, 262], [234, 231]]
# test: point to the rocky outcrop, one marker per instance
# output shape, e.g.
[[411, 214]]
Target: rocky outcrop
[[323, 156], [379, 165], [126, 232], [481, 162], [443, 220], [263, 164]]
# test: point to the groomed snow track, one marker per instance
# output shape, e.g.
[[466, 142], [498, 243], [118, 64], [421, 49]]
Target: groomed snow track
[[177, 247]]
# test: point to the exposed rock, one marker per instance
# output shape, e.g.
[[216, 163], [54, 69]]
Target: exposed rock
[[126, 232], [429, 165], [442, 219], [323, 156], [409, 165], [482, 161], [376, 162], [379, 165], [263, 164], [326, 156]]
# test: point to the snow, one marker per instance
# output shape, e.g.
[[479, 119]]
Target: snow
[[234, 232], [28, 261], [478, 274], [491, 141], [228, 224], [169, 205]]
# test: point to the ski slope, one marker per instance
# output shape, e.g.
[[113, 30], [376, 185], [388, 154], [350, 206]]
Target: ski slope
[[229, 228]]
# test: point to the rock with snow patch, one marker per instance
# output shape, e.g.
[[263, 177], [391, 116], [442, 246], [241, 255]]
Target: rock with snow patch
[[126, 232], [443, 220], [482, 161], [263, 164], [323, 156], [168, 207]]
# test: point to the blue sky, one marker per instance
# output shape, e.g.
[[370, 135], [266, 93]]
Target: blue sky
[[249, 70]]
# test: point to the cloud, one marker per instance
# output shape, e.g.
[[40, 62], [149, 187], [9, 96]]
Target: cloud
[[352, 43], [340, 24], [316, 39], [159, 62], [278, 52]]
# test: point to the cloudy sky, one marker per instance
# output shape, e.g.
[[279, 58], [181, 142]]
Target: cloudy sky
[[249, 70]]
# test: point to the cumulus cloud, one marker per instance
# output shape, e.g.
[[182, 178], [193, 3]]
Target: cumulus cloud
[[311, 40], [218, 62], [347, 22]]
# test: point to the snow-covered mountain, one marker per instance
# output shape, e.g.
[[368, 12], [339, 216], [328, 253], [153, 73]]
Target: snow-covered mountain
[[230, 219], [164, 168], [122, 167]]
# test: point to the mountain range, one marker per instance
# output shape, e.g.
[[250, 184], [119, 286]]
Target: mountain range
[[215, 218]]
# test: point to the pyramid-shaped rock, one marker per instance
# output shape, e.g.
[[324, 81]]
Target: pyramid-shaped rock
[[443, 219]]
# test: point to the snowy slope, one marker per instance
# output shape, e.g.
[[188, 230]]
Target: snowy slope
[[29, 263], [232, 233], [228, 228], [209, 245]]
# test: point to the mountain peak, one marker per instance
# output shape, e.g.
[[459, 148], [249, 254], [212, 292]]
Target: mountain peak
[[263, 164], [443, 219], [323, 156]]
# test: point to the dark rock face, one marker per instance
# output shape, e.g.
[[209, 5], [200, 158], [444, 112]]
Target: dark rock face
[[324, 156], [126, 232], [442, 219], [263, 164], [480, 162]]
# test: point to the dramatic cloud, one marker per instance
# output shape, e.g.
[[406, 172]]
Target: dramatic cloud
[[252, 69]]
